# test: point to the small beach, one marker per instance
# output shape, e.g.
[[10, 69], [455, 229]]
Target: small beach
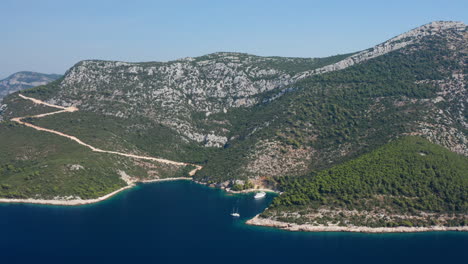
[[74, 202]]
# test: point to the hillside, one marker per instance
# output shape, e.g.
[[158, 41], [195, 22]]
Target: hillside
[[41, 165], [260, 121], [326, 119], [408, 182]]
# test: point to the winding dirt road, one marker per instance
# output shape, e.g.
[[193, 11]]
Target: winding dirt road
[[77, 140]]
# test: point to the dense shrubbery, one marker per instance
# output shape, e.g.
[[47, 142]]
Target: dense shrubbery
[[240, 187], [115, 133], [409, 174]]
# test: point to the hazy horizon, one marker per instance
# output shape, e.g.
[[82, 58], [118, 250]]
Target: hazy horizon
[[51, 36]]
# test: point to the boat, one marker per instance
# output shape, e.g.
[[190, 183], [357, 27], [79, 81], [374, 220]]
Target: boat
[[235, 213], [260, 195]]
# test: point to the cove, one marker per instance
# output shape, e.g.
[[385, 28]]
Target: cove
[[184, 222]]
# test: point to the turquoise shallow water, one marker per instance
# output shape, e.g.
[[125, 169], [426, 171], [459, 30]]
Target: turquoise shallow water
[[183, 222]]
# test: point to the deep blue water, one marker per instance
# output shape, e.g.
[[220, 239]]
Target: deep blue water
[[183, 222]]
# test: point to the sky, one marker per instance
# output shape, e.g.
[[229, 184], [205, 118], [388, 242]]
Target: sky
[[50, 36]]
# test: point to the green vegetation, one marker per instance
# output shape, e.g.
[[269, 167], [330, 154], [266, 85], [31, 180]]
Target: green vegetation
[[38, 164], [122, 134], [17, 107], [407, 176], [240, 187], [345, 106]]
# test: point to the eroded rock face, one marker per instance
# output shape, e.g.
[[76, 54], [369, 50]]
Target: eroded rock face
[[210, 85], [2, 108], [171, 92]]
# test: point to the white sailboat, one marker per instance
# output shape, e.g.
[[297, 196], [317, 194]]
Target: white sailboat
[[235, 213]]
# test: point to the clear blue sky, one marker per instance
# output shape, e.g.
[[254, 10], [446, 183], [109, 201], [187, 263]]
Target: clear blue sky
[[50, 36]]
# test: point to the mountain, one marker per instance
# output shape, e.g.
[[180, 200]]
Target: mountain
[[24, 80], [255, 121]]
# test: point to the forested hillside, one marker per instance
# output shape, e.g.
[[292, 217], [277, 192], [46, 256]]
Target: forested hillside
[[408, 182]]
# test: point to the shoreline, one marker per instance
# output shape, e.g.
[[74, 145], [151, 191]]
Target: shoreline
[[257, 221], [252, 190], [131, 184], [228, 190], [75, 202]]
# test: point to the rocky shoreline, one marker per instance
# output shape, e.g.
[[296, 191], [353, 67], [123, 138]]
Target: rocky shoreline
[[252, 190], [258, 221], [131, 183], [229, 190]]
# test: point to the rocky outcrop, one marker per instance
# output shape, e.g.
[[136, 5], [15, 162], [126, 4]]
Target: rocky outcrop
[[260, 221]]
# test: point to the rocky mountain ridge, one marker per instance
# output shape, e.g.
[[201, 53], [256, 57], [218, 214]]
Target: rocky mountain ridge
[[398, 42], [171, 92]]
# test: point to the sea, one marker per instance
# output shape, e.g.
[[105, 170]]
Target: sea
[[184, 222]]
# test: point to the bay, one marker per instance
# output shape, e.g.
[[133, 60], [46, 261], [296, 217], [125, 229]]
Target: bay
[[184, 222]]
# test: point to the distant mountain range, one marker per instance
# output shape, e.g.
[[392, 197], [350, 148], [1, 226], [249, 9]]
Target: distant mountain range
[[24, 80]]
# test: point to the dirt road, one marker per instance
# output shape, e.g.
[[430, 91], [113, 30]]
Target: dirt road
[[77, 140]]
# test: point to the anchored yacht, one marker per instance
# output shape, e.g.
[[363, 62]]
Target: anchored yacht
[[260, 195]]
